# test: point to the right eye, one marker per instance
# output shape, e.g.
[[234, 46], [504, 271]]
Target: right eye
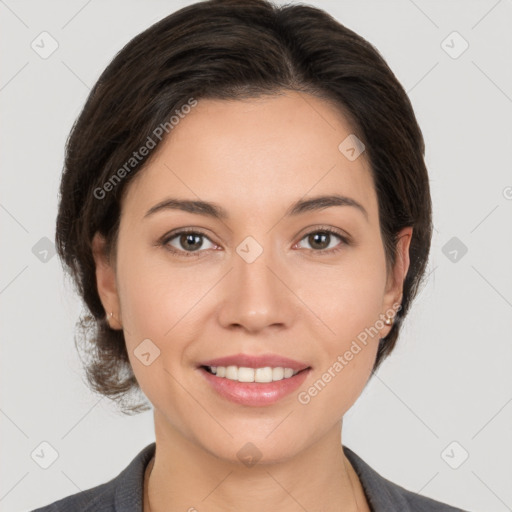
[[185, 242]]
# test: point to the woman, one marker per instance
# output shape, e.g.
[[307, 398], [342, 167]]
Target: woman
[[245, 209]]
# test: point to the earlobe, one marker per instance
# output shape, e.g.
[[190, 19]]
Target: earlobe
[[106, 281]]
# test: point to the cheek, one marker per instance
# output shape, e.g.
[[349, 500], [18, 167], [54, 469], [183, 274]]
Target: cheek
[[154, 296], [348, 299], [348, 295], [162, 304]]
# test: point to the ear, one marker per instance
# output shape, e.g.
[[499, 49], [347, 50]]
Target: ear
[[396, 278], [106, 281]]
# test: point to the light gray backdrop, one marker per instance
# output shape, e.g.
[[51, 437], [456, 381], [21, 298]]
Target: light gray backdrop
[[437, 417]]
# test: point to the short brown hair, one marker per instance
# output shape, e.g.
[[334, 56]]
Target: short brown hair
[[231, 49]]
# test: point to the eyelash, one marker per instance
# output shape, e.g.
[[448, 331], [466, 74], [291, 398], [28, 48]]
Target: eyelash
[[167, 238]]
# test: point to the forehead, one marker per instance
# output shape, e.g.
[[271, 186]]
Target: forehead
[[254, 155]]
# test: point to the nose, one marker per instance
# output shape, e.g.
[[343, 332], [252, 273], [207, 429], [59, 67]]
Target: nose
[[257, 296]]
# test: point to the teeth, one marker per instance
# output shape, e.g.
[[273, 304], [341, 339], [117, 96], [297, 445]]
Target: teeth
[[244, 374], [263, 374], [277, 373]]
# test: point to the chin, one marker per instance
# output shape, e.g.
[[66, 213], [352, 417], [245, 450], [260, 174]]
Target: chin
[[254, 447]]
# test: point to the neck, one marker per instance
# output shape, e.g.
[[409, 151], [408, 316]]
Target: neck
[[183, 476]]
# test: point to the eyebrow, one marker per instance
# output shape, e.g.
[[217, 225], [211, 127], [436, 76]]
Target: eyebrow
[[216, 211]]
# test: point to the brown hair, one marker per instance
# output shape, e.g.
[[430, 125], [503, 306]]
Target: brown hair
[[230, 49]]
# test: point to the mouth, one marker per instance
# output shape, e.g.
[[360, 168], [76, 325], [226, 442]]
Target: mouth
[[254, 381]]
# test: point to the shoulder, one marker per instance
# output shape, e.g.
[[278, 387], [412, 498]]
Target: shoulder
[[384, 495], [99, 499], [122, 493]]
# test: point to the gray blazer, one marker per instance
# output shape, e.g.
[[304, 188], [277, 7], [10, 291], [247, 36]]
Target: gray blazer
[[124, 493]]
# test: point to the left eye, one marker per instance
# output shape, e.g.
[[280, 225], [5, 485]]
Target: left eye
[[320, 240], [189, 240]]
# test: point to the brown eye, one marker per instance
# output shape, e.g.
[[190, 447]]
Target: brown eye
[[319, 240], [323, 240], [184, 242], [190, 241]]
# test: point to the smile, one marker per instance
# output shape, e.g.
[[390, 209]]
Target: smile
[[253, 393]]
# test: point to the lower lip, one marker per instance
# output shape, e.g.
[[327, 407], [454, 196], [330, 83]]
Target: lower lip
[[255, 394]]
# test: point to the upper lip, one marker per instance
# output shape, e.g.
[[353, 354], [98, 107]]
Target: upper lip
[[260, 361]]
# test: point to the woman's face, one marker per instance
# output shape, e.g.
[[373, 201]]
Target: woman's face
[[262, 280]]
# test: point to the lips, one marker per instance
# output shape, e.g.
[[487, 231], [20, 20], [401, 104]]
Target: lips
[[254, 394], [260, 361]]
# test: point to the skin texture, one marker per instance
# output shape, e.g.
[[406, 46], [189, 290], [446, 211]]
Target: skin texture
[[255, 158]]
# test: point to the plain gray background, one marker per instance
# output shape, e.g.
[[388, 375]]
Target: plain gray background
[[446, 391]]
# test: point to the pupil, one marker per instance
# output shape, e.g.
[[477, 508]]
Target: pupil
[[191, 238], [314, 240]]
